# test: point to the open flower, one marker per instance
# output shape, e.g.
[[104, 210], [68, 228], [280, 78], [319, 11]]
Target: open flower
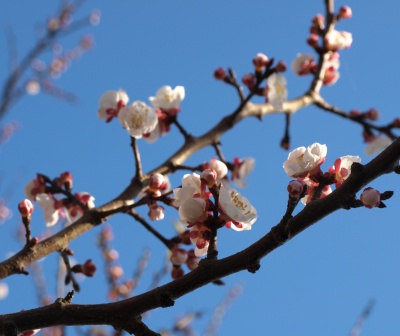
[[337, 40], [191, 185], [74, 211], [193, 210], [237, 209], [34, 187], [50, 208], [303, 160], [277, 92], [110, 104], [220, 168], [242, 168], [342, 168], [138, 119], [168, 99], [303, 64], [377, 144]]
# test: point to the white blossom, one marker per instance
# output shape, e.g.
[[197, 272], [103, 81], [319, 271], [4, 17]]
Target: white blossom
[[302, 160], [47, 203], [167, 98], [193, 210], [242, 168], [337, 40], [110, 103], [190, 185], [378, 144], [277, 92], [237, 208], [303, 64], [138, 119]]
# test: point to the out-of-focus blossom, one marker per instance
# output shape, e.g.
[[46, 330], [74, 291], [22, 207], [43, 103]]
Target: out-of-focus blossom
[[156, 212], [3, 290], [192, 261], [342, 168], [178, 256], [242, 168], [372, 114], [74, 211], [345, 12], [110, 104], [50, 208], [260, 61], [116, 272], [34, 187], [337, 40], [5, 212], [138, 119], [303, 160], [220, 74], [377, 144], [193, 210], [277, 92], [237, 209], [168, 99], [331, 74], [370, 198], [303, 64], [190, 185], [32, 87], [249, 80]]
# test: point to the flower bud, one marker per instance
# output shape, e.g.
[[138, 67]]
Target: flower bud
[[345, 12], [370, 198], [177, 272], [25, 208], [178, 256], [313, 40], [157, 181], [193, 261], [249, 80], [89, 268], [295, 188], [65, 180], [156, 212], [220, 74], [209, 176], [372, 114], [260, 61], [280, 67]]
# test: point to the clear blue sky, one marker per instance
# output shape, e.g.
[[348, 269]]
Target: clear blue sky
[[318, 283]]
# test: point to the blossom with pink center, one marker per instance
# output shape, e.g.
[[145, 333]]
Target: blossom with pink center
[[50, 207], [342, 168], [260, 61], [302, 160], [34, 187], [237, 209], [337, 40], [376, 144], [25, 208], [303, 64], [110, 104], [220, 168], [198, 237], [138, 119], [370, 198], [242, 168], [191, 185], [74, 211], [178, 256], [277, 92], [168, 99], [193, 210], [156, 212]]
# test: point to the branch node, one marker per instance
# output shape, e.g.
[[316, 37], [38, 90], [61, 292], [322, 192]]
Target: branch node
[[254, 267], [67, 300]]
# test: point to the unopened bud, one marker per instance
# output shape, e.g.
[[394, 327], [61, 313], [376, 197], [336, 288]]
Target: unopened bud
[[260, 61], [65, 180], [209, 176], [280, 67], [295, 188], [25, 208], [345, 12], [370, 198], [177, 272], [313, 40], [249, 80], [372, 114], [220, 74]]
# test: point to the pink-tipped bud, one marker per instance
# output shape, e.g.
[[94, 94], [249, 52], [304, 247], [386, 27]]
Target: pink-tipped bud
[[281, 67], [209, 176], [318, 21], [345, 12], [260, 61], [178, 256], [25, 208], [370, 198], [295, 188], [220, 74], [156, 212], [313, 40], [372, 114], [157, 181], [65, 180], [249, 80]]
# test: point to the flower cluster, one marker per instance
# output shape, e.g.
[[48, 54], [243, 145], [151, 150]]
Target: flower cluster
[[42, 190], [198, 212], [304, 163], [324, 42], [140, 119]]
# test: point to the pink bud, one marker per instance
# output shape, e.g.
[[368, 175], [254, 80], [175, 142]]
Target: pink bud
[[318, 21], [65, 180], [372, 114], [249, 80], [178, 256], [345, 12], [209, 176], [156, 181], [192, 262], [25, 208], [260, 61], [177, 272], [280, 67], [313, 40], [370, 198], [116, 272], [156, 212], [220, 74], [295, 188]]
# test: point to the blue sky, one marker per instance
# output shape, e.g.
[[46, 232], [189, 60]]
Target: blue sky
[[318, 283]]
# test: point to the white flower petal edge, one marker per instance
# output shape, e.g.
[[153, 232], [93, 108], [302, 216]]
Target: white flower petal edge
[[277, 92], [377, 145]]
